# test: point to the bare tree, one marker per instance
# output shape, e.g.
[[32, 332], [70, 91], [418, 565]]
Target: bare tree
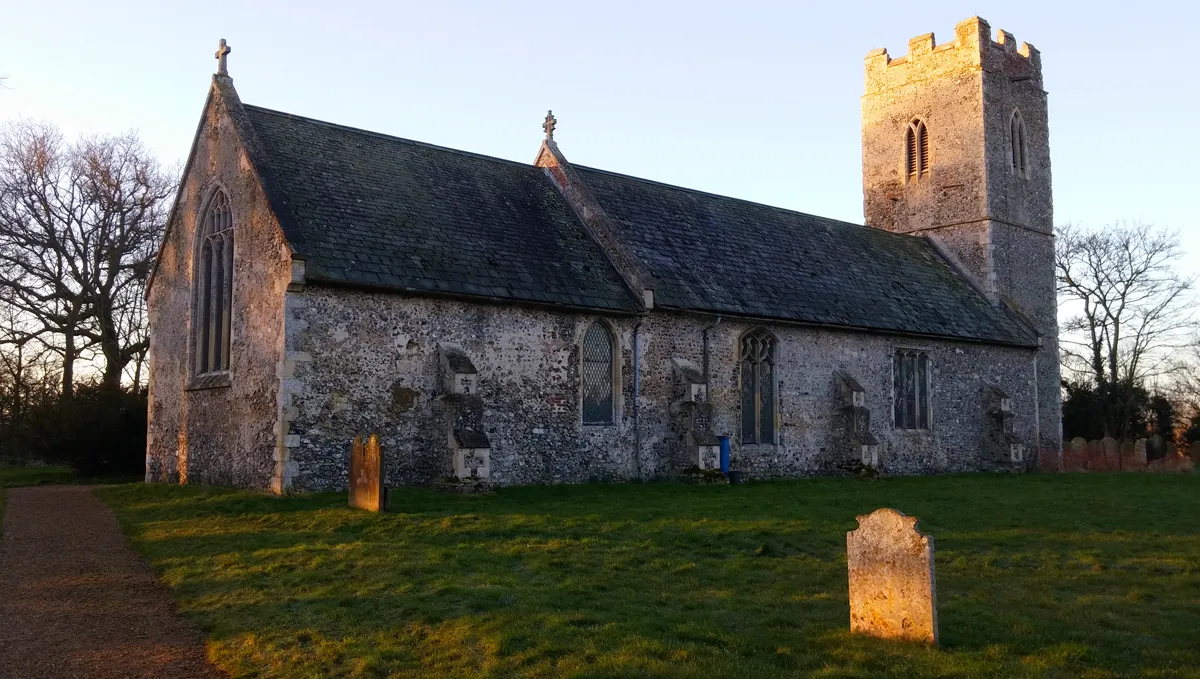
[[79, 225], [1129, 308]]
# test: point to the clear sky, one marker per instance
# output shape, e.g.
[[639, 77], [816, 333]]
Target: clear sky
[[757, 100]]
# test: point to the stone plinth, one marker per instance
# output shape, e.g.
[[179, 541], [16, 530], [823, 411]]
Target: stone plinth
[[892, 587], [366, 475]]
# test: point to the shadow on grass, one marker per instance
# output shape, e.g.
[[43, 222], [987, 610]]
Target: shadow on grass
[[1037, 576]]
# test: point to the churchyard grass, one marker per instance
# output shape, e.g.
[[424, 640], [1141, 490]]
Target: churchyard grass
[[1037, 576], [15, 477]]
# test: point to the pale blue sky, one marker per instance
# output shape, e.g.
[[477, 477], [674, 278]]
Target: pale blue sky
[[751, 99]]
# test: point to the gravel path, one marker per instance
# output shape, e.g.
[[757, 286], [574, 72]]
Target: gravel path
[[75, 601]]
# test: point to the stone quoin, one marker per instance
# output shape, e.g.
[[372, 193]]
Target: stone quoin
[[548, 322]]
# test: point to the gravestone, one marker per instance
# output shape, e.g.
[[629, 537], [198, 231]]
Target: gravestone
[[892, 588], [366, 475], [1156, 448], [1075, 455]]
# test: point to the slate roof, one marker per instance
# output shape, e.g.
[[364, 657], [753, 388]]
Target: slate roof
[[724, 255], [382, 212]]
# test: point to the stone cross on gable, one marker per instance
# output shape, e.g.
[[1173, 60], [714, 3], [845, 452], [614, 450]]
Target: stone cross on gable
[[548, 126], [222, 51]]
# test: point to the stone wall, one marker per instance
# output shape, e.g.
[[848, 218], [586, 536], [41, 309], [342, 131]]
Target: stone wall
[[360, 362], [226, 434]]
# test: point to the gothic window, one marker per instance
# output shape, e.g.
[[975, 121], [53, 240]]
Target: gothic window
[[1019, 160], [916, 149], [758, 386], [910, 374], [213, 286], [598, 375]]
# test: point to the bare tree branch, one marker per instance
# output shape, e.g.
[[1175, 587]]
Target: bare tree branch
[[79, 226], [1130, 309]]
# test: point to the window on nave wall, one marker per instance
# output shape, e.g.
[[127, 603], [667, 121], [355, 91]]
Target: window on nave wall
[[757, 355], [598, 375], [213, 286], [911, 379]]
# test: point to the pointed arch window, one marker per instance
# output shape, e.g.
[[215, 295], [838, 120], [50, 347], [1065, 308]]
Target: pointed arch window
[[1019, 158], [758, 386], [213, 286], [598, 375], [916, 149]]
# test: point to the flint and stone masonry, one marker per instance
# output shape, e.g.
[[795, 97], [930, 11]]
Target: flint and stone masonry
[[441, 299]]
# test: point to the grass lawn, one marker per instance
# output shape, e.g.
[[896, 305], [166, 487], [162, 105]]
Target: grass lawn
[[15, 477], [1037, 576]]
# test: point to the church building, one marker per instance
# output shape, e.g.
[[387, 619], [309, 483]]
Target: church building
[[547, 322]]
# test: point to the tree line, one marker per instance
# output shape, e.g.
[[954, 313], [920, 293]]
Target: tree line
[[80, 224]]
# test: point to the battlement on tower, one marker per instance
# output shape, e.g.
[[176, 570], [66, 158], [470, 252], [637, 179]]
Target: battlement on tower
[[971, 49]]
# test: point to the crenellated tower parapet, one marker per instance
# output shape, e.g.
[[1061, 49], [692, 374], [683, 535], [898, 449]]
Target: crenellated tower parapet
[[971, 48]]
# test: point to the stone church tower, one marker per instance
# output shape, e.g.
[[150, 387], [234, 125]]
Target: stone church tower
[[956, 149]]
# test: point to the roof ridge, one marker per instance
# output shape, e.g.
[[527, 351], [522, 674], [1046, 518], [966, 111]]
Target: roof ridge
[[778, 208], [390, 137]]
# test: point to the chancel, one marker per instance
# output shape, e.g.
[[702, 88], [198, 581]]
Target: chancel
[[551, 322]]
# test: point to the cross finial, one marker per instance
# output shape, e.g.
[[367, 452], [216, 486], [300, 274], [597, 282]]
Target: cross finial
[[548, 126], [222, 51]]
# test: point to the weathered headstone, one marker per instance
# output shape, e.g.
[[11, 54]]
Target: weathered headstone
[[366, 475], [1075, 455], [1109, 458], [892, 586], [1156, 448]]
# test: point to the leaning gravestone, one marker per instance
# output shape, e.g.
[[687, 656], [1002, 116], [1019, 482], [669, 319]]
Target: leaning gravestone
[[366, 475], [892, 590]]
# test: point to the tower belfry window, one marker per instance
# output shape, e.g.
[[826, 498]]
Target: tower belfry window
[[916, 149], [1019, 159]]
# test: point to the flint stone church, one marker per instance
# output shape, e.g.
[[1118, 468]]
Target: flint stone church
[[550, 322]]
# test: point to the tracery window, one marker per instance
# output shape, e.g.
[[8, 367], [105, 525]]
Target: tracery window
[[916, 149], [213, 286], [910, 373], [758, 386], [1019, 160], [598, 375]]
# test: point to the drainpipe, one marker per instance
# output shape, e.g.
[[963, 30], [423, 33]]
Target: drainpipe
[[714, 324], [637, 393]]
